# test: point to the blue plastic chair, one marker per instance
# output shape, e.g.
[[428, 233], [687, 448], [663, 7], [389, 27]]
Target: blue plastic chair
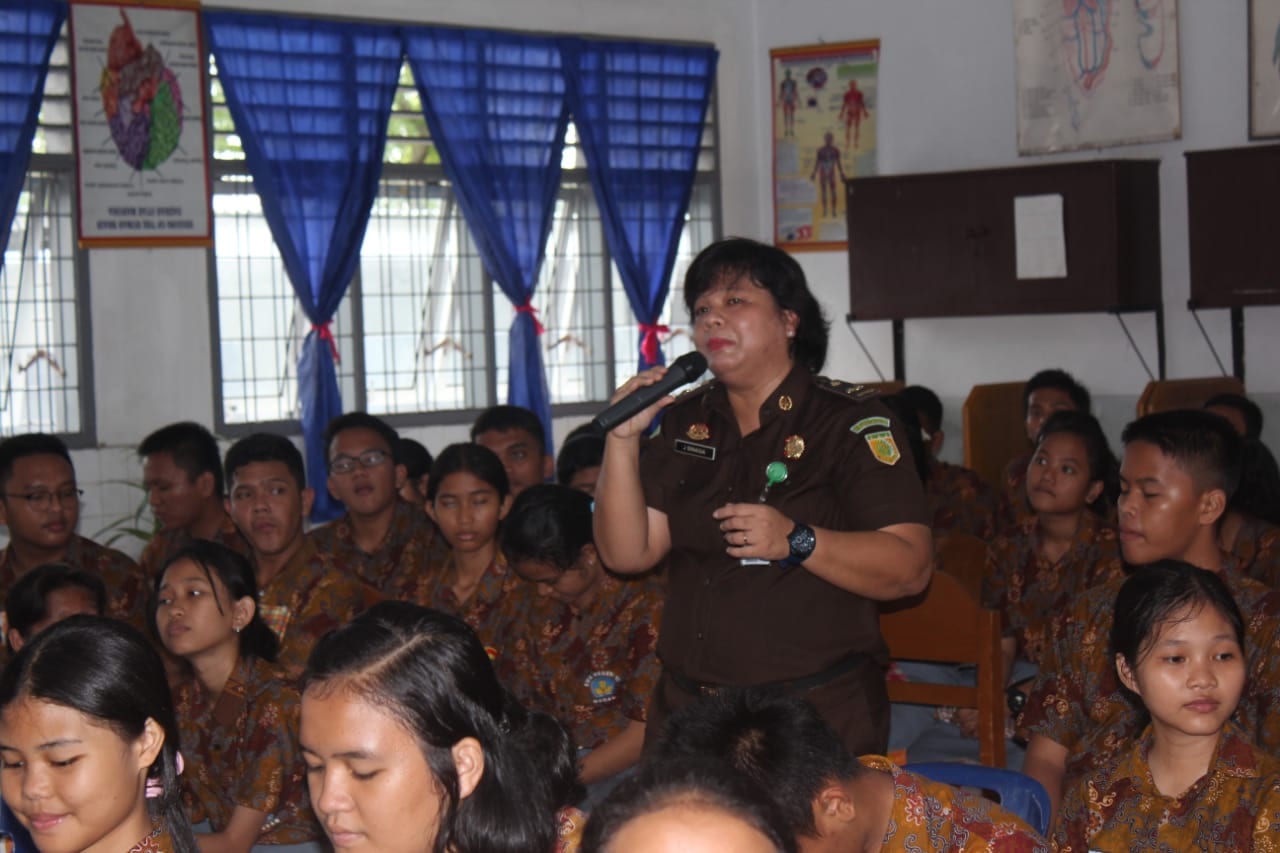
[[1017, 792]]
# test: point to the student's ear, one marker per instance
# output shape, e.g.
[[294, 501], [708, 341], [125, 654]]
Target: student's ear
[[505, 508], [308, 500], [242, 612], [833, 809], [431, 511], [1095, 491], [1213, 503], [226, 505], [148, 745], [206, 484], [402, 475], [468, 761], [15, 640], [1126, 674]]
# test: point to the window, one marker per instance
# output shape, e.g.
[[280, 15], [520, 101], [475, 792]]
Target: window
[[44, 379], [423, 331]]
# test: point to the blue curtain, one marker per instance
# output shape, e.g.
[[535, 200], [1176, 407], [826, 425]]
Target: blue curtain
[[495, 105], [311, 99], [640, 110], [28, 31]]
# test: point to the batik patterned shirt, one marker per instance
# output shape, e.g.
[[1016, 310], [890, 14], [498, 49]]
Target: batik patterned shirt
[[165, 543], [959, 501], [412, 548]]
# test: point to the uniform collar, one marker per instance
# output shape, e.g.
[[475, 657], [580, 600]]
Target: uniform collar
[[787, 398]]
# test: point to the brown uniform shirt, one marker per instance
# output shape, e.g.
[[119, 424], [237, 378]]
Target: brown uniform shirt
[[730, 624], [412, 548], [165, 543]]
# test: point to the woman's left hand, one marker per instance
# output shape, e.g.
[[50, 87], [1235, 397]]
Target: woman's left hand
[[754, 530]]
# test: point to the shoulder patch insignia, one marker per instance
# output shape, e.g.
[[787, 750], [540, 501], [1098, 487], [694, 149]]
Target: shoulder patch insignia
[[846, 389], [883, 447], [866, 423]]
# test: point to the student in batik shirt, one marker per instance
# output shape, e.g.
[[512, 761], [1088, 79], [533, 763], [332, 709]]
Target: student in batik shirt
[[578, 462], [1193, 780], [48, 594], [412, 744], [832, 802], [89, 741], [1047, 392], [588, 655], [416, 459], [468, 497], [1178, 473], [238, 716], [1250, 529]]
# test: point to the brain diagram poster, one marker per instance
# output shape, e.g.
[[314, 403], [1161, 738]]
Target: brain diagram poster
[[1092, 74], [141, 146], [825, 104]]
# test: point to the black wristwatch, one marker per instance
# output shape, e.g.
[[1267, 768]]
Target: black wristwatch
[[1016, 699], [801, 541]]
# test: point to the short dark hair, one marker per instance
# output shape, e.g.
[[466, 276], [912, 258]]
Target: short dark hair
[[29, 444], [1248, 410], [548, 523], [472, 458], [265, 447], [414, 456], [360, 420], [582, 448], [1103, 465], [1258, 493], [777, 272], [780, 742], [238, 578], [28, 602], [1062, 381], [685, 783], [1153, 594], [107, 670], [503, 418], [193, 448], [1201, 443], [927, 405], [432, 674]]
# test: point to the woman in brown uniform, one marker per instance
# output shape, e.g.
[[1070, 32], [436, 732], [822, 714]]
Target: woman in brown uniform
[[787, 505]]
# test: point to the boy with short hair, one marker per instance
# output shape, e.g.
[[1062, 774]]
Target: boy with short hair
[[46, 595], [1178, 473], [580, 457], [40, 504], [416, 459], [831, 801], [301, 594], [182, 475], [385, 542], [959, 501], [516, 435], [1244, 414]]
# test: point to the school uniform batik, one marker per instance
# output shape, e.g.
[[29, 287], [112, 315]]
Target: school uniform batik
[[932, 817], [307, 599], [241, 749], [1257, 551], [500, 600], [1011, 505], [1233, 807], [1077, 700], [959, 501], [127, 593], [591, 668], [412, 548], [158, 840], [1028, 591], [165, 543]]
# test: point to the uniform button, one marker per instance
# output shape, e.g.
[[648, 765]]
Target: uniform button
[[699, 635], [706, 581]]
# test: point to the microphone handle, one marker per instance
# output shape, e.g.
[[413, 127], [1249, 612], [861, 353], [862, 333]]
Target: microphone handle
[[639, 400]]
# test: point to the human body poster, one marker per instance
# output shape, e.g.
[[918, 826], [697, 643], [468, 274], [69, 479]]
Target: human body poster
[[825, 107], [1095, 74], [141, 146]]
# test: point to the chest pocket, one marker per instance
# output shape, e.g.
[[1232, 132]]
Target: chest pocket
[[277, 617]]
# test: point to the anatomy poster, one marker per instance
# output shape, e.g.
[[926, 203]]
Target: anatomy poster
[[1096, 74], [141, 146], [825, 106]]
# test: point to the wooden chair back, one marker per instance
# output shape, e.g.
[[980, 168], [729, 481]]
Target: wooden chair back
[[1164, 395], [993, 419], [948, 625], [964, 557]]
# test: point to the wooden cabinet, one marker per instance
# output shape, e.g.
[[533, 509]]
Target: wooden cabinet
[[943, 244], [1233, 220]]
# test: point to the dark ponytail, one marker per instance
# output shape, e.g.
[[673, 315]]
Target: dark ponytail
[[239, 580]]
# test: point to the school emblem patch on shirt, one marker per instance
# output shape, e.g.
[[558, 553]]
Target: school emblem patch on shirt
[[883, 447], [603, 686]]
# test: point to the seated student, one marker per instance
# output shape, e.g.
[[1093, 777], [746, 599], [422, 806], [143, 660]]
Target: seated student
[[517, 437], [302, 594], [40, 504], [1192, 780], [412, 744], [467, 497], [182, 475], [1178, 473], [416, 460], [1250, 529], [685, 806], [46, 595], [1243, 413], [578, 462], [89, 742], [1047, 392], [238, 717], [830, 800], [589, 658], [958, 498], [384, 541]]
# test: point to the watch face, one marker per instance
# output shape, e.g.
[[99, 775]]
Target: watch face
[[802, 542]]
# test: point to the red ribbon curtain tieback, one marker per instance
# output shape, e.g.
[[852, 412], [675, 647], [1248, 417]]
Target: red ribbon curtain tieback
[[527, 308], [649, 340], [324, 331]]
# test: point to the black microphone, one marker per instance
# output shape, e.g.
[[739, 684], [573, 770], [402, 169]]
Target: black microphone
[[682, 371]]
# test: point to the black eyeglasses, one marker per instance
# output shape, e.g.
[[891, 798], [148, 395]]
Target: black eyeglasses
[[43, 500], [368, 459]]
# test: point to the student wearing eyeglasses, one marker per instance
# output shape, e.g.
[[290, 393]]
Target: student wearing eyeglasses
[[40, 506], [385, 541]]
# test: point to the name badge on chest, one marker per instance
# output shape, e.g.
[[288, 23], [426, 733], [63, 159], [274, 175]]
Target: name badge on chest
[[690, 448]]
